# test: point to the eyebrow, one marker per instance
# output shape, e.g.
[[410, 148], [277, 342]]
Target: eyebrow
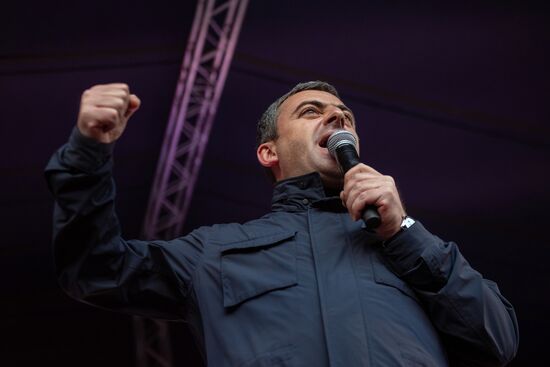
[[322, 105]]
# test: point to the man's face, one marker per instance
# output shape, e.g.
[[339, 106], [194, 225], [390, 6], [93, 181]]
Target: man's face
[[306, 120]]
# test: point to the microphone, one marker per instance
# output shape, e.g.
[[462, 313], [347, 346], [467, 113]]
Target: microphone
[[342, 145]]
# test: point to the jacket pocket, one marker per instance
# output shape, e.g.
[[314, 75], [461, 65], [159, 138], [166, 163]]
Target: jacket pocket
[[257, 266], [279, 357], [383, 275]]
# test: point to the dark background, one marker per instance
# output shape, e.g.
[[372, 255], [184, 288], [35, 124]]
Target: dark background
[[452, 100]]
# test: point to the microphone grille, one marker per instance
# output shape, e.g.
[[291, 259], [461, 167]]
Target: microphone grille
[[339, 138]]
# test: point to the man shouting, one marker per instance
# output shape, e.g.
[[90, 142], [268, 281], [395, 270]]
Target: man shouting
[[306, 284]]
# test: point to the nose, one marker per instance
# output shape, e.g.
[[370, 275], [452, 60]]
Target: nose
[[335, 117]]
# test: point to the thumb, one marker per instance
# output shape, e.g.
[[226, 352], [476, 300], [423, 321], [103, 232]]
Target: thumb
[[133, 105]]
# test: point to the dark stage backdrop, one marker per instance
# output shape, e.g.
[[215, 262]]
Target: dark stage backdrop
[[452, 100]]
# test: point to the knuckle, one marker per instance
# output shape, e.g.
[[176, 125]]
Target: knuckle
[[352, 195], [124, 87], [119, 103], [386, 190], [112, 115], [356, 207], [85, 109], [348, 200], [363, 196], [348, 175]]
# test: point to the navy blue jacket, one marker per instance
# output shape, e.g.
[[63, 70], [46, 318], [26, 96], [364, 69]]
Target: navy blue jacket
[[302, 286]]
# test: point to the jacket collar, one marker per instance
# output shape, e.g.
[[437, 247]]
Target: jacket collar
[[301, 192]]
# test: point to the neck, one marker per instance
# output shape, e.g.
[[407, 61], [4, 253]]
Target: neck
[[329, 191]]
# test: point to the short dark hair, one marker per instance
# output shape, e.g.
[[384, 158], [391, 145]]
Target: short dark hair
[[266, 129], [267, 126]]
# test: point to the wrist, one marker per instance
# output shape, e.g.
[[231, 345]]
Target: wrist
[[85, 153], [406, 223]]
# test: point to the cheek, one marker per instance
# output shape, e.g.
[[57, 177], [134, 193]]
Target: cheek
[[296, 149]]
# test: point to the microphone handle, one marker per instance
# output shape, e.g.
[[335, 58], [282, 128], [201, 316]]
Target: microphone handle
[[371, 217], [348, 158]]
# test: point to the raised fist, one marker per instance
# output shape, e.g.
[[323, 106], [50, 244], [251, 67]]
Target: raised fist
[[105, 110]]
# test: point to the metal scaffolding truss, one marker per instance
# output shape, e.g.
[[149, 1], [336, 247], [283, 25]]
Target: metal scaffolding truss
[[205, 65], [206, 62]]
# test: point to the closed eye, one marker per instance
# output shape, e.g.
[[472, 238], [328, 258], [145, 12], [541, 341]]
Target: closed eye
[[309, 111]]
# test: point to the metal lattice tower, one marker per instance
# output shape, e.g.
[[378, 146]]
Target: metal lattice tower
[[205, 65]]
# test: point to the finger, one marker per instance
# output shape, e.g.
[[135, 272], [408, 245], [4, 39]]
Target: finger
[[361, 180], [370, 193], [343, 198], [118, 103], [106, 117], [133, 105], [111, 86], [96, 121], [363, 200], [367, 182], [361, 167], [116, 93], [106, 91], [91, 94], [354, 189], [107, 100]]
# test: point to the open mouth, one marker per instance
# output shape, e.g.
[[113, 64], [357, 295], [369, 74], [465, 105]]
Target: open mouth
[[324, 138], [323, 141]]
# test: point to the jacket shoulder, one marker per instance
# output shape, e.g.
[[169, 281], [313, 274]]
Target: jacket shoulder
[[235, 232]]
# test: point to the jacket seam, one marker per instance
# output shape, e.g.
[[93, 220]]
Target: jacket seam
[[360, 291], [463, 317]]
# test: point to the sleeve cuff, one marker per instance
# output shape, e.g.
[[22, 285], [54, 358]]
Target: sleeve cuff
[[410, 247], [85, 153]]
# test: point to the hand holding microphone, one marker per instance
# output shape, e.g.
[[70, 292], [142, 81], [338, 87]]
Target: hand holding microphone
[[367, 193]]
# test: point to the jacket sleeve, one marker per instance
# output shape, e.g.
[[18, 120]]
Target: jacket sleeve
[[94, 264], [478, 325]]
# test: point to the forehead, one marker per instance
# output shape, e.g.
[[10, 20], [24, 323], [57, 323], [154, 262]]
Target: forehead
[[290, 104]]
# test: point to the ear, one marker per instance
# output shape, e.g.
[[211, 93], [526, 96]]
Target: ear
[[267, 154]]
